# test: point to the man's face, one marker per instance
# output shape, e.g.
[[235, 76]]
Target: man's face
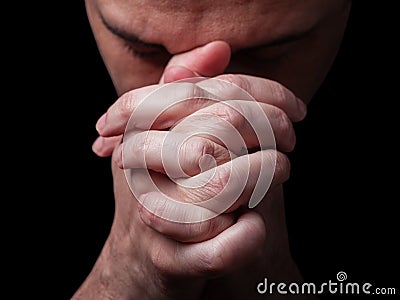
[[291, 41]]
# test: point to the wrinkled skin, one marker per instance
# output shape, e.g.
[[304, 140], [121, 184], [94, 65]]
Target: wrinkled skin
[[279, 52]]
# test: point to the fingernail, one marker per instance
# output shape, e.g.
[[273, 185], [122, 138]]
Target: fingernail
[[97, 146], [176, 73], [101, 123], [302, 108]]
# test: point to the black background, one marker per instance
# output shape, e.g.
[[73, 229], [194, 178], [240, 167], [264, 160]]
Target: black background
[[341, 197]]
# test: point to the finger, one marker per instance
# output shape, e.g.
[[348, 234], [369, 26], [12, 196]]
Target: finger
[[153, 107], [187, 232], [208, 60], [104, 146], [113, 122], [175, 154], [261, 89], [236, 246], [228, 123], [241, 114], [165, 106], [175, 73], [243, 181]]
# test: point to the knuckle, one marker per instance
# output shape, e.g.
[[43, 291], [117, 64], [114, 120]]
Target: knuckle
[[229, 114], [192, 151], [287, 131], [138, 145], [158, 259], [199, 147], [237, 80], [130, 149], [206, 229], [278, 91], [206, 147], [126, 104], [146, 142], [193, 91], [210, 227], [218, 182], [213, 187], [211, 261], [151, 220], [194, 97], [282, 166], [195, 102], [200, 230]]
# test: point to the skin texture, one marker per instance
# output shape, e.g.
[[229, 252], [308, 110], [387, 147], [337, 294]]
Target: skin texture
[[279, 52], [300, 65]]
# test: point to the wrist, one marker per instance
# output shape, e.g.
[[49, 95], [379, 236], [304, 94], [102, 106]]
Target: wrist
[[123, 272], [114, 276]]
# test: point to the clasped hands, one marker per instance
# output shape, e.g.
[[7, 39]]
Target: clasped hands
[[191, 154]]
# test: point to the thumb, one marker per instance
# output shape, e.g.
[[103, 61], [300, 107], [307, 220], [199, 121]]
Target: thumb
[[208, 60]]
